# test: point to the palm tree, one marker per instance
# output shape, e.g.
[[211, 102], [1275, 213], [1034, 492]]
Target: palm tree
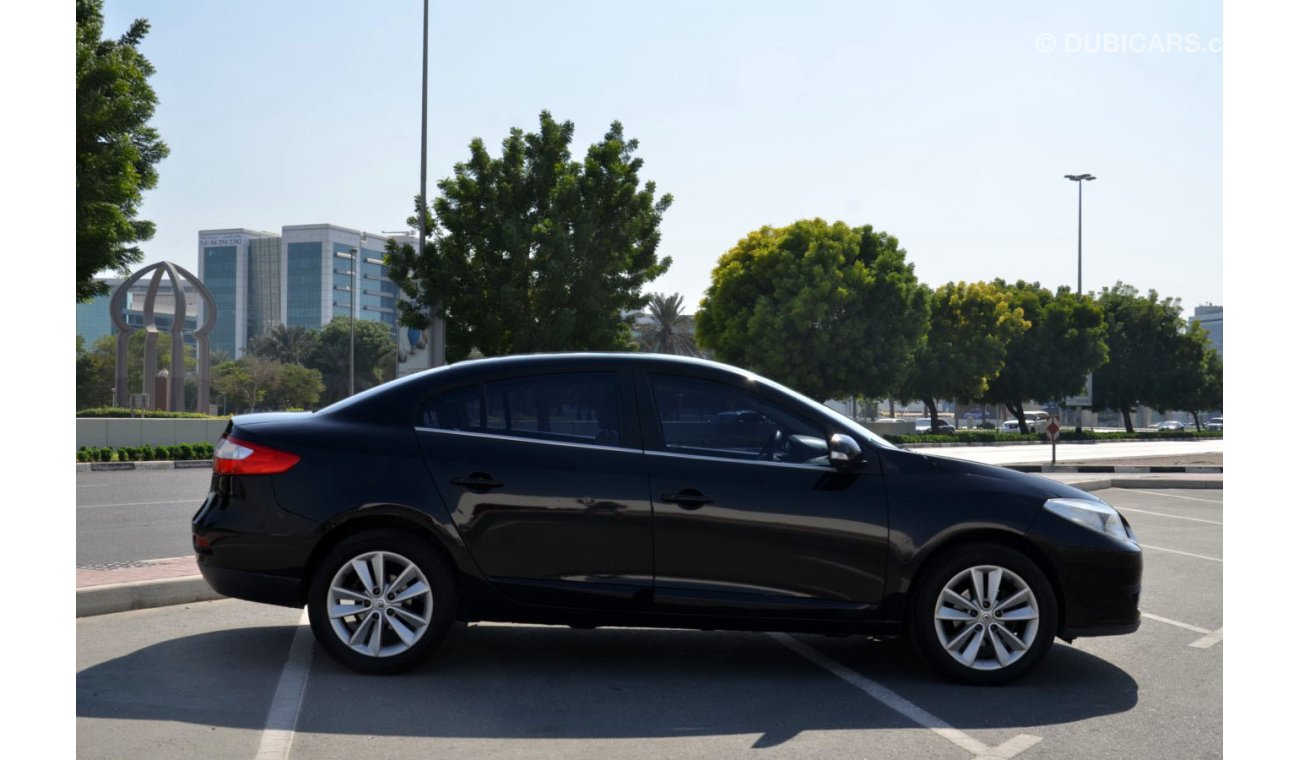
[[669, 331], [287, 345]]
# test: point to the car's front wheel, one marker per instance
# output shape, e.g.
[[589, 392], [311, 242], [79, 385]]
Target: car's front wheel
[[985, 614], [381, 601]]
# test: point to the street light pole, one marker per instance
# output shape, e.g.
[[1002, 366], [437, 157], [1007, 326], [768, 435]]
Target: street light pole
[[1079, 179], [352, 318]]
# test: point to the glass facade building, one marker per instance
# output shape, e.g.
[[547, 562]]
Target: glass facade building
[[303, 277]]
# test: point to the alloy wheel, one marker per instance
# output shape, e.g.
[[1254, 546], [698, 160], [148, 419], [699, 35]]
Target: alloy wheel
[[986, 617], [379, 604]]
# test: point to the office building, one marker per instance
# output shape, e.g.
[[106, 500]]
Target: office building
[[303, 276], [1211, 318]]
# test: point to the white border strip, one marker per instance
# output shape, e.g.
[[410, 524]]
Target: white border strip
[[282, 718], [890, 699]]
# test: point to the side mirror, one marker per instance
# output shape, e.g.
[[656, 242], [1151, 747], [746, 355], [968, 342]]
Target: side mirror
[[845, 453]]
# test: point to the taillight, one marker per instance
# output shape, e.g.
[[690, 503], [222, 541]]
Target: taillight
[[236, 457]]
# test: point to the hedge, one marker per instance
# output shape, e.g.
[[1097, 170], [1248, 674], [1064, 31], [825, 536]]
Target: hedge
[[118, 411], [181, 451], [1067, 436]]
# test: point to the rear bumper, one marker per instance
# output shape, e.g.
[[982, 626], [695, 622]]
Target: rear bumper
[[254, 587]]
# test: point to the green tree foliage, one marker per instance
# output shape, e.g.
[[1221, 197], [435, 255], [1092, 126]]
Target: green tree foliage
[[116, 147], [669, 330], [234, 388], [1150, 352], [533, 251], [965, 345], [1207, 394], [257, 383], [375, 356], [827, 309], [1051, 360], [96, 366], [94, 376], [287, 345]]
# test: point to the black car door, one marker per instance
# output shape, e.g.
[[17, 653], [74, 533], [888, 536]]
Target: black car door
[[545, 480], [750, 517]]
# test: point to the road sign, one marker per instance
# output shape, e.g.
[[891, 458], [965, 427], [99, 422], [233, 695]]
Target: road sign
[[1053, 429]]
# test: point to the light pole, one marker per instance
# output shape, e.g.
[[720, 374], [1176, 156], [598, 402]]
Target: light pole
[[352, 318], [1079, 179]]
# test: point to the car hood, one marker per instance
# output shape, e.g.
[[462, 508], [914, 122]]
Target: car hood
[[1021, 482]]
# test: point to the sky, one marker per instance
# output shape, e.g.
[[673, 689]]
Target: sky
[[949, 125]]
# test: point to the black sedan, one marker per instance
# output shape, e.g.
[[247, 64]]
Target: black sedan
[[647, 490]]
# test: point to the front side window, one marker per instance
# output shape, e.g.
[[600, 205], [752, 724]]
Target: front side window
[[708, 418]]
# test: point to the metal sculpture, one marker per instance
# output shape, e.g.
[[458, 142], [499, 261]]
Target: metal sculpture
[[177, 276]]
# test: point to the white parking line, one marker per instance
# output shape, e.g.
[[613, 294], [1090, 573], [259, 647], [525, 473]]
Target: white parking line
[[282, 718], [193, 502], [1176, 496], [1209, 639], [1185, 554], [890, 699], [1176, 517]]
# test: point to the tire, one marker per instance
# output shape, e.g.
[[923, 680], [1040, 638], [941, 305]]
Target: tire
[[398, 628], [980, 641]]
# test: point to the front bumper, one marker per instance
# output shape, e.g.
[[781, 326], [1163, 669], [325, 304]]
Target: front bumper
[[1099, 578]]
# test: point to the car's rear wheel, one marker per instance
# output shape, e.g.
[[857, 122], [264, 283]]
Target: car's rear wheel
[[985, 614], [381, 601]]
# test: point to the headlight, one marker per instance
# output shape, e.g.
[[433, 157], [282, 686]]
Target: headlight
[[1097, 515]]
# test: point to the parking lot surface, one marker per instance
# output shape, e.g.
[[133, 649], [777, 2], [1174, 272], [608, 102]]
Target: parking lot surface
[[233, 679]]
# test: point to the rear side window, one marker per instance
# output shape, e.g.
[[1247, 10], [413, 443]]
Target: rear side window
[[461, 409], [572, 407], [577, 407]]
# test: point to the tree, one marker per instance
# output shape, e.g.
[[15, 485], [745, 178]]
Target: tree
[[827, 309], [965, 345], [234, 385], [94, 376], [375, 356], [296, 387], [96, 365], [533, 251], [1207, 395], [1050, 360], [669, 330], [1144, 335], [116, 148], [285, 344]]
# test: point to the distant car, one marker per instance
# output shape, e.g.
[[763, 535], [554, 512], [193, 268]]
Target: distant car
[[923, 426], [1215, 423], [1170, 425], [1037, 422]]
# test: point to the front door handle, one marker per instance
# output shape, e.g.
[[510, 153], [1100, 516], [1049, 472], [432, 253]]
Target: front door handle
[[477, 481], [687, 498]]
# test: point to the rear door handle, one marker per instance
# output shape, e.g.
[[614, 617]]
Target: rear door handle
[[687, 498], [477, 481]]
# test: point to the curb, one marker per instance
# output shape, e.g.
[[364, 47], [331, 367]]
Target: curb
[[139, 595], [1102, 484], [1118, 468], [174, 464]]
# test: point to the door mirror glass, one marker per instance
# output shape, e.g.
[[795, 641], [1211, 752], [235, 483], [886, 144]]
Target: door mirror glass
[[845, 452]]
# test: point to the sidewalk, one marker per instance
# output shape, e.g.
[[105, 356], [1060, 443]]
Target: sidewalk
[[123, 586]]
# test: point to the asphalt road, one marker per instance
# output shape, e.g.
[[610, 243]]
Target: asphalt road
[[225, 679], [137, 514]]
